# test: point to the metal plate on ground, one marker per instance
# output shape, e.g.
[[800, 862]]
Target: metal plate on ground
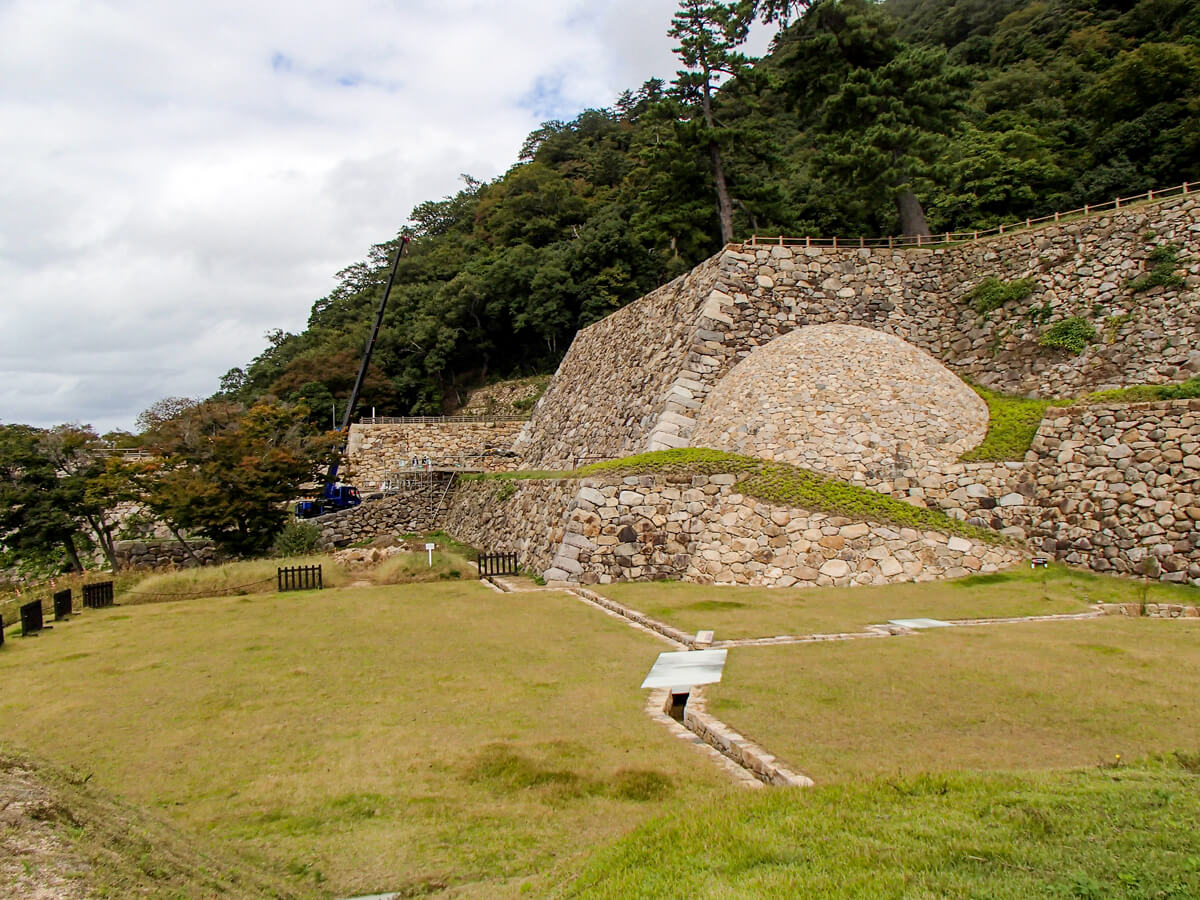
[[919, 623], [686, 669]]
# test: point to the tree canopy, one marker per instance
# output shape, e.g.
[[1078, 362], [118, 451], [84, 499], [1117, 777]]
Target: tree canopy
[[865, 118]]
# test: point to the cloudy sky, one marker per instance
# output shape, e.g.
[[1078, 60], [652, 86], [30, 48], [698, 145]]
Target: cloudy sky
[[178, 178]]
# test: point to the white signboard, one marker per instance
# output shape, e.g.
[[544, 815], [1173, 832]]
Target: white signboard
[[686, 669]]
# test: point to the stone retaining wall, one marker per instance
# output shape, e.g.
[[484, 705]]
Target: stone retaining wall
[[411, 512], [1117, 489], [151, 554], [698, 528], [523, 517], [609, 390], [379, 453], [1152, 610], [638, 379]]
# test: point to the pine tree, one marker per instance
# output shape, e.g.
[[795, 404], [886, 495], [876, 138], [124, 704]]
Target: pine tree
[[708, 34]]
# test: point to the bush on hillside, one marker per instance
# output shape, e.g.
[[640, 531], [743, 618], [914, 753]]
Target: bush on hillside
[[297, 539]]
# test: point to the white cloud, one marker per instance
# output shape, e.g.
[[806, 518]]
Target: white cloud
[[180, 178]]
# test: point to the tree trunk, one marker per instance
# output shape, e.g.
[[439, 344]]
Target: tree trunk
[[72, 554], [103, 532], [724, 207], [912, 216], [186, 546]]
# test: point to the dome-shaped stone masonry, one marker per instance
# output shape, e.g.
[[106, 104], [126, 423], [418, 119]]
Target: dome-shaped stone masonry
[[848, 401]]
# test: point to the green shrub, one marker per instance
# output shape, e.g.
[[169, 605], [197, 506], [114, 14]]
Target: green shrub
[[297, 539], [1072, 334], [992, 293], [1162, 262]]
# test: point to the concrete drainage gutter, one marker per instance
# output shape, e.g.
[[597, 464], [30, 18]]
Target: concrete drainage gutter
[[743, 751]]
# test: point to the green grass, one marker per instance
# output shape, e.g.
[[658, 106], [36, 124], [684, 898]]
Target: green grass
[[786, 485], [1026, 696], [1090, 834], [1013, 421], [370, 739], [1147, 393], [745, 612], [1012, 424]]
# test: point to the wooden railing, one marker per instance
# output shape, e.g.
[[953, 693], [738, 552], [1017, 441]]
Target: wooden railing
[[961, 237], [436, 420]]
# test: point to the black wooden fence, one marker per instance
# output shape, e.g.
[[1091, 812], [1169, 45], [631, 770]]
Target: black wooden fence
[[31, 618], [99, 595], [497, 564], [299, 578], [62, 605], [1, 631]]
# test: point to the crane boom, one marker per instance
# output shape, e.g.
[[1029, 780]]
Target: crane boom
[[402, 250]]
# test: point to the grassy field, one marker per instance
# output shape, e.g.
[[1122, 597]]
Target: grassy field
[[765, 612], [370, 739], [1094, 835], [1024, 696], [441, 738]]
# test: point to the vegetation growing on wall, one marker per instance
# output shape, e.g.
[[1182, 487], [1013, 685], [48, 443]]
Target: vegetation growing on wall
[[777, 483], [1162, 262], [992, 293], [1072, 334], [1012, 424]]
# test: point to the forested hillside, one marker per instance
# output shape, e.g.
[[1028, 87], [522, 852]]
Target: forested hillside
[[865, 118]]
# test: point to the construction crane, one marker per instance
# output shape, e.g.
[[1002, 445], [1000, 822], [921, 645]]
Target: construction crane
[[334, 494]]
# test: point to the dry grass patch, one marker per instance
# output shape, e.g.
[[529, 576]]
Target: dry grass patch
[[234, 579], [390, 738], [1026, 696], [746, 612]]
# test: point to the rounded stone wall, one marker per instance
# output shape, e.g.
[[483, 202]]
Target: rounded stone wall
[[844, 400]]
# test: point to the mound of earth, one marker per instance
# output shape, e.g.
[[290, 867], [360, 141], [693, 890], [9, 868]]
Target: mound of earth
[[61, 839]]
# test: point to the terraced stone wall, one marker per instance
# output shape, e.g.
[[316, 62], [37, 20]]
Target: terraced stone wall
[[637, 380], [1117, 489], [698, 528], [378, 453]]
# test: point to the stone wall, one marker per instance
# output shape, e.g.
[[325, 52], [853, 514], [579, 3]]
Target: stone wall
[[524, 517], [609, 390], [698, 528], [379, 453], [851, 402], [419, 508], [162, 554], [1117, 488], [638, 379]]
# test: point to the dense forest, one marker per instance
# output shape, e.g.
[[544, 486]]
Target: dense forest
[[865, 118]]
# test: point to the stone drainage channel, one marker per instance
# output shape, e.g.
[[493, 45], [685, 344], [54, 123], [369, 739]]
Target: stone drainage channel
[[686, 715]]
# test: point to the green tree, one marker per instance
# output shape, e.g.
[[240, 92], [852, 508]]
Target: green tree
[[227, 472], [34, 505], [887, 127], [708, 34]]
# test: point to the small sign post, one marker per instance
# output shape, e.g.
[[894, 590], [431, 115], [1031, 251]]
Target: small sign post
[[429, 550]]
